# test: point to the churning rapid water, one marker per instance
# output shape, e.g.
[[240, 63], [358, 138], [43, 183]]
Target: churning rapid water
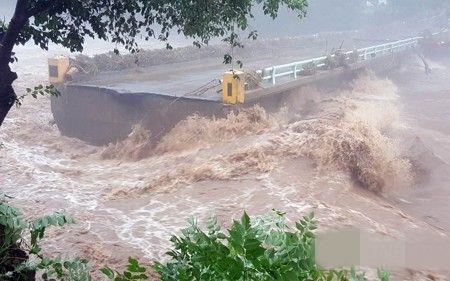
[[373, 154]]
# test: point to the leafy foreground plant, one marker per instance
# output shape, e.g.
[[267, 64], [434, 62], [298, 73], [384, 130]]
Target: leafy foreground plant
[[265, 249], [20, 254]]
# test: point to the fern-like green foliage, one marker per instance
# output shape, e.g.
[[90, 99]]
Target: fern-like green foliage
[[266, 248]]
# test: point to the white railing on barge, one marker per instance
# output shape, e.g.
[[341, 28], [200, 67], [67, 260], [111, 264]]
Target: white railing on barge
[[295, 68]]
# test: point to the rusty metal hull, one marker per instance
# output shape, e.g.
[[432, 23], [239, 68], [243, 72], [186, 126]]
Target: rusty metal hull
[[100, 115]]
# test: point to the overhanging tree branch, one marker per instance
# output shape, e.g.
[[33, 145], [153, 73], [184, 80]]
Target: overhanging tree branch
[[41, 7]]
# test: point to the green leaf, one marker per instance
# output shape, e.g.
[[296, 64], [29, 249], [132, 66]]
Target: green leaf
[[245, 220], [35, 249], [221, 236], [127, 274], [383, 274], [108, 272]]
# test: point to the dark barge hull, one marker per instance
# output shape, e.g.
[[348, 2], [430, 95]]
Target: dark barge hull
[[100, 115]]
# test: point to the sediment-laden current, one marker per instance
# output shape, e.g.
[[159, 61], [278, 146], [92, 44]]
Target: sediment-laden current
[[373, 155]]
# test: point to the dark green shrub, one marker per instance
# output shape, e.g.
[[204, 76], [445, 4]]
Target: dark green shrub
[[265, 249]]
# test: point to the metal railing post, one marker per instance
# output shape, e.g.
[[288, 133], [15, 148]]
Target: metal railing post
[[273, 76]]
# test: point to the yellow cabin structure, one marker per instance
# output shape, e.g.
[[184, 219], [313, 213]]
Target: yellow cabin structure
[[57, 69], [233, 87]]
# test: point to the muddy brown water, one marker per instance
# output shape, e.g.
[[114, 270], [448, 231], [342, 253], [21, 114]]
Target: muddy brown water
[[292, 163]]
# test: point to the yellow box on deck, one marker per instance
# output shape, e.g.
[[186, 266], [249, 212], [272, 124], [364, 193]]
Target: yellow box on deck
[[57, 69], [233, 87]]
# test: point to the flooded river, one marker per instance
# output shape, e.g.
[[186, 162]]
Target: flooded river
[[373, 154]]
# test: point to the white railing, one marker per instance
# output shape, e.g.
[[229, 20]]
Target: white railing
[[293, 70]]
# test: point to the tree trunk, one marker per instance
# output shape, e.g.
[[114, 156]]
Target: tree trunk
[[7, 42], [7, 94], [14, 254]]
